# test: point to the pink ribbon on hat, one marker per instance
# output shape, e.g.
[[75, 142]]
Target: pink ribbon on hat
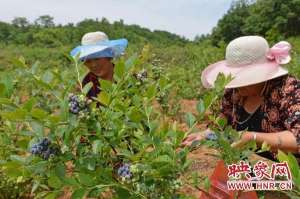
[[280, 53]]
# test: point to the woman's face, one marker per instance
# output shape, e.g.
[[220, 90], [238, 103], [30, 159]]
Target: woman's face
[[251, 90], [101, 67]]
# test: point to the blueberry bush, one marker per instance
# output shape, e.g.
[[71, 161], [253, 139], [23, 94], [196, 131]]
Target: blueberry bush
[[55, 140]]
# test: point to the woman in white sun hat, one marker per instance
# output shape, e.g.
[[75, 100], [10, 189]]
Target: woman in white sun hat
[[262, 99], [97, 53]]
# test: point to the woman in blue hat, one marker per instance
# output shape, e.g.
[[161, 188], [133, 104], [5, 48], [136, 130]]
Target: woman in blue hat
[[97, 53]]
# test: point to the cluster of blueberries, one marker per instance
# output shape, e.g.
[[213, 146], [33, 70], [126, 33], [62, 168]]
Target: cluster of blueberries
[[124, 171], [76, 105], [141, 76], [43, 149]]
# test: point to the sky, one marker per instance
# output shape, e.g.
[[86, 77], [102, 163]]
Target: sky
[[187, 18]]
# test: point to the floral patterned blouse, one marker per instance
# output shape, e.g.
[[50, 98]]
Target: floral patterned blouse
[[280, 109]]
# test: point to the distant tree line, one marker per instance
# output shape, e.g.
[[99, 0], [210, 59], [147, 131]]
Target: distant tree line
[[274, 19], [44, 32]]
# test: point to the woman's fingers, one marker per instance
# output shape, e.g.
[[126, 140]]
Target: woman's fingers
[[191, 138], [188, 143], [185, 142], [245, 138], [238, 144]]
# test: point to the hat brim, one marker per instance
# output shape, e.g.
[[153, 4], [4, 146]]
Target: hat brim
[[242, 76], [111, 48]]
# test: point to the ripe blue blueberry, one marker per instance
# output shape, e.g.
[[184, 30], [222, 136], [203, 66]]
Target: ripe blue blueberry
[[77, 104], [43, 149], [211, 136], [124, 171]]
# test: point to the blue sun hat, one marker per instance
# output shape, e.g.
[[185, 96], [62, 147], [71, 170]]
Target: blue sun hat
[[97, 45]]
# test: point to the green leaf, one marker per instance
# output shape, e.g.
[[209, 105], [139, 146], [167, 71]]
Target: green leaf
[[294, 166], [151, 91], [282, 156], [201, 107], [265, 147], [13, 169], [18, 114], [64, 106], [105, 85], [104, 98], [87, 88], [135, 115], [124, 152], [17, 158], [41, 194], [96, 146], [54, 119], [132, 61], [222, 122], [221, 82], [195, 180], [40, 167], [78, 193], [70, 181], [35, 67], [190, 119], [153, 125], [91, 164], [38, 128], [119, 105], [2, 89], [206, 184], [163, 158], [163, 82], [208, 100], [7, 80], [47, 77], [41, 83], [122, 193], [20, 62], [85, 179], [54, 182], [60, 170], [119, 70], [39, 113], [6, 101], [35, 186], [51, 195], [29, 104]]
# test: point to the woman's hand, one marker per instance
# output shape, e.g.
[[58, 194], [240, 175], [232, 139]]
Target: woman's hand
[[245, 138], [194, 137], [274, 140]]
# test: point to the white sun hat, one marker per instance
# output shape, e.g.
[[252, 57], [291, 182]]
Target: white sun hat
[[97, 45], [249, 60]]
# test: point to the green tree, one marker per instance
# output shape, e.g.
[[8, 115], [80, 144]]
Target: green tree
[[44, 32], [274, 17], [45, 21], [5, 32], [20, 22], [229, 27]]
